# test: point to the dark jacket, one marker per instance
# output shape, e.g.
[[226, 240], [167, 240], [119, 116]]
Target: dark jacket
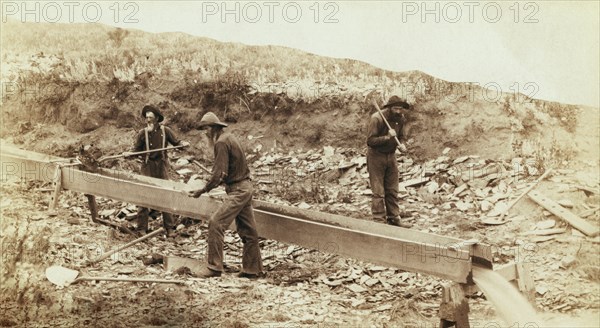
[[378, 138], [230, 162]]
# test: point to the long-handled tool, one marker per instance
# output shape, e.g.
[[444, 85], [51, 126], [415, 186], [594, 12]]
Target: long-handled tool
[[500, 219], [526, 191], [402, 147], [104, 158], [63, 277], [131, 243], [202, 166]]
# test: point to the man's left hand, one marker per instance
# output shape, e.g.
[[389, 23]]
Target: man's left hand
[[185, 143], [403, 148]]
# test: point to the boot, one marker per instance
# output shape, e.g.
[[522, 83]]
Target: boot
[[395, 221], [207, 273], [142, 224], [170, 232], [252, 276], [379, 219]]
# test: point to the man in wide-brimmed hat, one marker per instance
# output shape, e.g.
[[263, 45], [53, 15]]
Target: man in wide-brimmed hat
[[381, 160], [230, 168], [155, 164]]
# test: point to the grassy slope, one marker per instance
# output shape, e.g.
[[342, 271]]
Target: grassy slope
[[83, 79]]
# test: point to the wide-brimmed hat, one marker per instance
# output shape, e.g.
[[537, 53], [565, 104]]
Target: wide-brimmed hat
[[210, 119], [396, 101], [157, 113]]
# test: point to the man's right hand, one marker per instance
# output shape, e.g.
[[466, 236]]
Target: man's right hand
[[392, 133], [195, 193], [127, 153]]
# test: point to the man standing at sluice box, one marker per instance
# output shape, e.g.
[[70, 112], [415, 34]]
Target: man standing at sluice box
[[381, 160], [155, 164], [231, 169]]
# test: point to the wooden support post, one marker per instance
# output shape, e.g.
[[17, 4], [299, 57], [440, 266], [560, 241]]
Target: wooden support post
[[57, 189], [454, 310], [93, 206], [525, 282]]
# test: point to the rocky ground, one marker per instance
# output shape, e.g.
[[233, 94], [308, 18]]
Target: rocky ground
[[454, 196]]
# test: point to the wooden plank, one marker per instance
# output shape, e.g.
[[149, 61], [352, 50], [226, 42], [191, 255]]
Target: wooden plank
[[568, 216], [545, 232], [484, 252], [413, 256], [508, 271], [12, 166], [420, 256], [588, 189], [171, 199], [172, 263], [453, 263], [26, 154]]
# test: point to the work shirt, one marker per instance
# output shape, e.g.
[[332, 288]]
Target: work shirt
[[155, 140], [230, 162], [378, 138]]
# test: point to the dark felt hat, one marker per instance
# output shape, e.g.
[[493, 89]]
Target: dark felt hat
[[156, 111], [396, 101]]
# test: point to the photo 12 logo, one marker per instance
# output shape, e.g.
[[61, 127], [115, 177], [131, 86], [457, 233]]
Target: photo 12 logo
[[269, 12], [469, 11], [70, 11]]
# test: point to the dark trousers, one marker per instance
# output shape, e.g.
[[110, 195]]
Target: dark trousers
[[237, 204], [383, 177], [156, 169]]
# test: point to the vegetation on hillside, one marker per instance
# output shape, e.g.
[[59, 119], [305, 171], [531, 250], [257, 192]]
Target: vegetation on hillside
[[68, 71]]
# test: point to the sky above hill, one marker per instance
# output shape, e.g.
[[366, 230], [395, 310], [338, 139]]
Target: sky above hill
[[544, 49]]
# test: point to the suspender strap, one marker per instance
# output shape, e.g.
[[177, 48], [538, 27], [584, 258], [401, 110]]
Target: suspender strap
[[147, 143], [164, 140]]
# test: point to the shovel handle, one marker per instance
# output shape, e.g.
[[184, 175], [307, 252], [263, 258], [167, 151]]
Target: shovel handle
[[164, 281], [150, 235], [140, 152], [386, 122], [525, 192], [202, 166]]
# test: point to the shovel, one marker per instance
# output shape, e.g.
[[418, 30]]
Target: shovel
[[62, 277], [104, 158]]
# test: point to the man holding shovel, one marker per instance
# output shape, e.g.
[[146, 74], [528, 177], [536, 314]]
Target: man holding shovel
[[231, 169], [382, 140], [154, 164]]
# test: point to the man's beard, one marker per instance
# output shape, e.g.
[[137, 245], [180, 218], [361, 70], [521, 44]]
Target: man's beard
[[396, 117], [212, 138], [150, 126]]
